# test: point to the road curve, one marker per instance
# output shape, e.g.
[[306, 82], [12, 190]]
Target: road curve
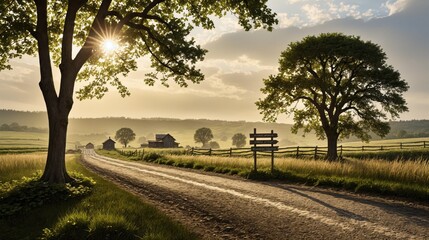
[[224, 207]]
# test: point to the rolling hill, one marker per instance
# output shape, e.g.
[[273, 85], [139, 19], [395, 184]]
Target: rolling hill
[[96, 130]]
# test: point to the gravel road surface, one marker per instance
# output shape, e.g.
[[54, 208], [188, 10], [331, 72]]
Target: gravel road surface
[[227, 207]]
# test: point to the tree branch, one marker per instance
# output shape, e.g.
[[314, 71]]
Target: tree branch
[[69, 24], [46, 78], [88, 47]]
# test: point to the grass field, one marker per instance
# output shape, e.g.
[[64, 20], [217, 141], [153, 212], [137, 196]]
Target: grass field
[[385, 142], [92, 214]]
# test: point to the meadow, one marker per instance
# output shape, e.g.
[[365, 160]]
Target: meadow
[[87, 216]]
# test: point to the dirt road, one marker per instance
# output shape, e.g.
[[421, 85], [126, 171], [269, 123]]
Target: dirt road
[[224, 207]]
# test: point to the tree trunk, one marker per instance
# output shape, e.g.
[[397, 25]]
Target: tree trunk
[[58, 109], [55, 168], [332, 137]]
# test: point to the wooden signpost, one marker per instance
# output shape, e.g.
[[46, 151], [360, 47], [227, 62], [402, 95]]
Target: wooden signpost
[[266, 144]]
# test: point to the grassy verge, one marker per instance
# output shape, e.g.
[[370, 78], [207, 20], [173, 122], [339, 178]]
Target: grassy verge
[[393, 155], [106, 213], [408, 179]]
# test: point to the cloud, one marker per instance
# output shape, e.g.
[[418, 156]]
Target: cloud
[[286, 21], [316, 14], [395, 6]]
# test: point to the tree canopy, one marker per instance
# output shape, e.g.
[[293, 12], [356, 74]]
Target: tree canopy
[[239, 140], [75, 31], [336, 85], [125, 135], [203, 135]]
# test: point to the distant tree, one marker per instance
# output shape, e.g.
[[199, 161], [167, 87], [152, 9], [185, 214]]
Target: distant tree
[[99, 41], [125, 135], [203, 135], [344, 85], [239, 140], [214, 145]]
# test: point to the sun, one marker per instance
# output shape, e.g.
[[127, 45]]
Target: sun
[[109, 46]]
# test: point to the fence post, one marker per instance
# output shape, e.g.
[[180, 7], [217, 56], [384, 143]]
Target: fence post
[[192, 151], [297, 151], [363, 148], [254, 151], [341, 151], [315, 152], [400, 145], [381, 148], [272, 152], [230, 152], [424, 144], [210, 151]]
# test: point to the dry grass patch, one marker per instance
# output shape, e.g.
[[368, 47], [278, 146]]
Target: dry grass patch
[[14, 166]]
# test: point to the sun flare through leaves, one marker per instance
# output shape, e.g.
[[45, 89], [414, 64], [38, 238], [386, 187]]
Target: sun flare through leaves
[[109, 46]]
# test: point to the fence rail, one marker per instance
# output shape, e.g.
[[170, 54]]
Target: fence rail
[[295, 151], [315, 151]]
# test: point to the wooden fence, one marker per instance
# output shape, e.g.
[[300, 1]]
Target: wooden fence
[[296, 151], [308, 151]]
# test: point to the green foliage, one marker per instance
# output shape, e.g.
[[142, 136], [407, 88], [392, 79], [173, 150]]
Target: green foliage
[[239, 140], [125, 135], [29, 192], [152, 156], [203, 135], [79, 225], [344, 84], [155, 28]]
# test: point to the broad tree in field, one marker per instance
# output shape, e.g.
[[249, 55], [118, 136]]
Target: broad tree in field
[[125, 135], [203, 135], [336, 85], [96, 41], [239, 140]]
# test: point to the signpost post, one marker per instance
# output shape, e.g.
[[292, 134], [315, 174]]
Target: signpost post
[[264, 148]]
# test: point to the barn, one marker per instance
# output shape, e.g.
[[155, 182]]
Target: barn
[[109, 144], [89, 146], [163, 141]]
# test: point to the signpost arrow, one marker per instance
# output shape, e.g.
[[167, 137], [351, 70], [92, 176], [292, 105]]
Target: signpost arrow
[[265, 149], [263, 135], [263, 141]]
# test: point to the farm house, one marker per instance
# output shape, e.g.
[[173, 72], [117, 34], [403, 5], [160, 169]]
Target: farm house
[[109, 144], [163, 141]]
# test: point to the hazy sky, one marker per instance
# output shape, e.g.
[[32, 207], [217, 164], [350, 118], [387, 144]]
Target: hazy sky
[[238, 61]]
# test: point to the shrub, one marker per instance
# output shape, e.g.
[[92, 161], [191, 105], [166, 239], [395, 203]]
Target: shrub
[[30, 192], [78, 225], [151, 156]]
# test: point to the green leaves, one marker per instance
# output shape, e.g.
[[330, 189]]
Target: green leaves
[[29, 192], [157, 28], [125, 135], [337, 84]]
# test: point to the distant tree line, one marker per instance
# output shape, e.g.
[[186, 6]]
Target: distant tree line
[[15, 127]]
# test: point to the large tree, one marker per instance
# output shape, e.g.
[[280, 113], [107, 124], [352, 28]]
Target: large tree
[[98, 40], [125, 136], [336, 85], [203, 135]]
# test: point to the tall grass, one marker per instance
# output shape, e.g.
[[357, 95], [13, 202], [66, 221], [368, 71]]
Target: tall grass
[[397, 171], [14, 166]]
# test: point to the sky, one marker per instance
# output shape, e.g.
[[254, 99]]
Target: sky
[[238, 61]]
